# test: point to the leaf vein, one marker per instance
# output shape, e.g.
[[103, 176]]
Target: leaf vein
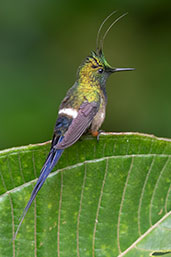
[[142, 194], [80, 208], [59, 216], [121, 205], [98, 207], [154, 191]]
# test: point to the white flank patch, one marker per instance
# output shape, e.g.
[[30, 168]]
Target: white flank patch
[[102, 115], [69, 111]]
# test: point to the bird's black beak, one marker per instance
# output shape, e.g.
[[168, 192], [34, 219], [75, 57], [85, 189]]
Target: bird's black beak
[[112, 70]]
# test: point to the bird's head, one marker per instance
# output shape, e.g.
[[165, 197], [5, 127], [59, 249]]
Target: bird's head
[[95, 69]]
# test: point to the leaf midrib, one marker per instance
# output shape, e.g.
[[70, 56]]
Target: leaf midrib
[[145, 234]]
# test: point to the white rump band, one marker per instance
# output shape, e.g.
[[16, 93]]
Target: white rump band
[[69, 111]]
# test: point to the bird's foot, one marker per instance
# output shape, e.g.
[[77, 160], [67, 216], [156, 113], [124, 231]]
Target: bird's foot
[[96, 134]]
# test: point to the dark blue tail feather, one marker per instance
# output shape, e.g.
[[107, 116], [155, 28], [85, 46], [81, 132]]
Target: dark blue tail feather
[[52, 159]]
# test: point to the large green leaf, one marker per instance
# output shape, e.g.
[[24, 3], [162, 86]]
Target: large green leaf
[[106, 198]]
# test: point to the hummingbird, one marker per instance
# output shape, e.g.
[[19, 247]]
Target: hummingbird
[[82, 109]]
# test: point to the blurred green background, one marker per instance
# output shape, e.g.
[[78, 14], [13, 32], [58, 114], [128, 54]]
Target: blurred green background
[[42, 44]]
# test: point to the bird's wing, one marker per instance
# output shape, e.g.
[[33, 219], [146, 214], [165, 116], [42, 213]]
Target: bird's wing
[[85, 115]]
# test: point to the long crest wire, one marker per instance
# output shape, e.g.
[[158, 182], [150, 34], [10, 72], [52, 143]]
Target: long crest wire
[[113, 23], [100, 28]]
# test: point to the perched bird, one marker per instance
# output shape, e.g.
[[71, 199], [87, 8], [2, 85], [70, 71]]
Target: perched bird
[[82, 109]]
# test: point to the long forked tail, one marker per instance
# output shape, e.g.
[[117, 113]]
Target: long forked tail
[[50, 162]]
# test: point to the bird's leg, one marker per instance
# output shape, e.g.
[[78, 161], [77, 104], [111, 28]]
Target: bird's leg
[[96, 134]]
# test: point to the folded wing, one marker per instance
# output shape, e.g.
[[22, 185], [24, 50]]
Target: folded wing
[[86, 113]]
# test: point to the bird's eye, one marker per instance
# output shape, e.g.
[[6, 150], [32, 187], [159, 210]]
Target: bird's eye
[[100, 70]]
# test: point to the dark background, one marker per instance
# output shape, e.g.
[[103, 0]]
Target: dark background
[[42, 44]]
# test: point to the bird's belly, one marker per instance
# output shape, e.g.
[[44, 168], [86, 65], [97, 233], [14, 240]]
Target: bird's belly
[[98, 119]]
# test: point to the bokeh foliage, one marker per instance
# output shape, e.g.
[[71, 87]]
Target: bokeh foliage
[[43, 42]]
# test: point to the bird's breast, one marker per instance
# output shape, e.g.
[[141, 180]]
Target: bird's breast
[[99, 117]]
